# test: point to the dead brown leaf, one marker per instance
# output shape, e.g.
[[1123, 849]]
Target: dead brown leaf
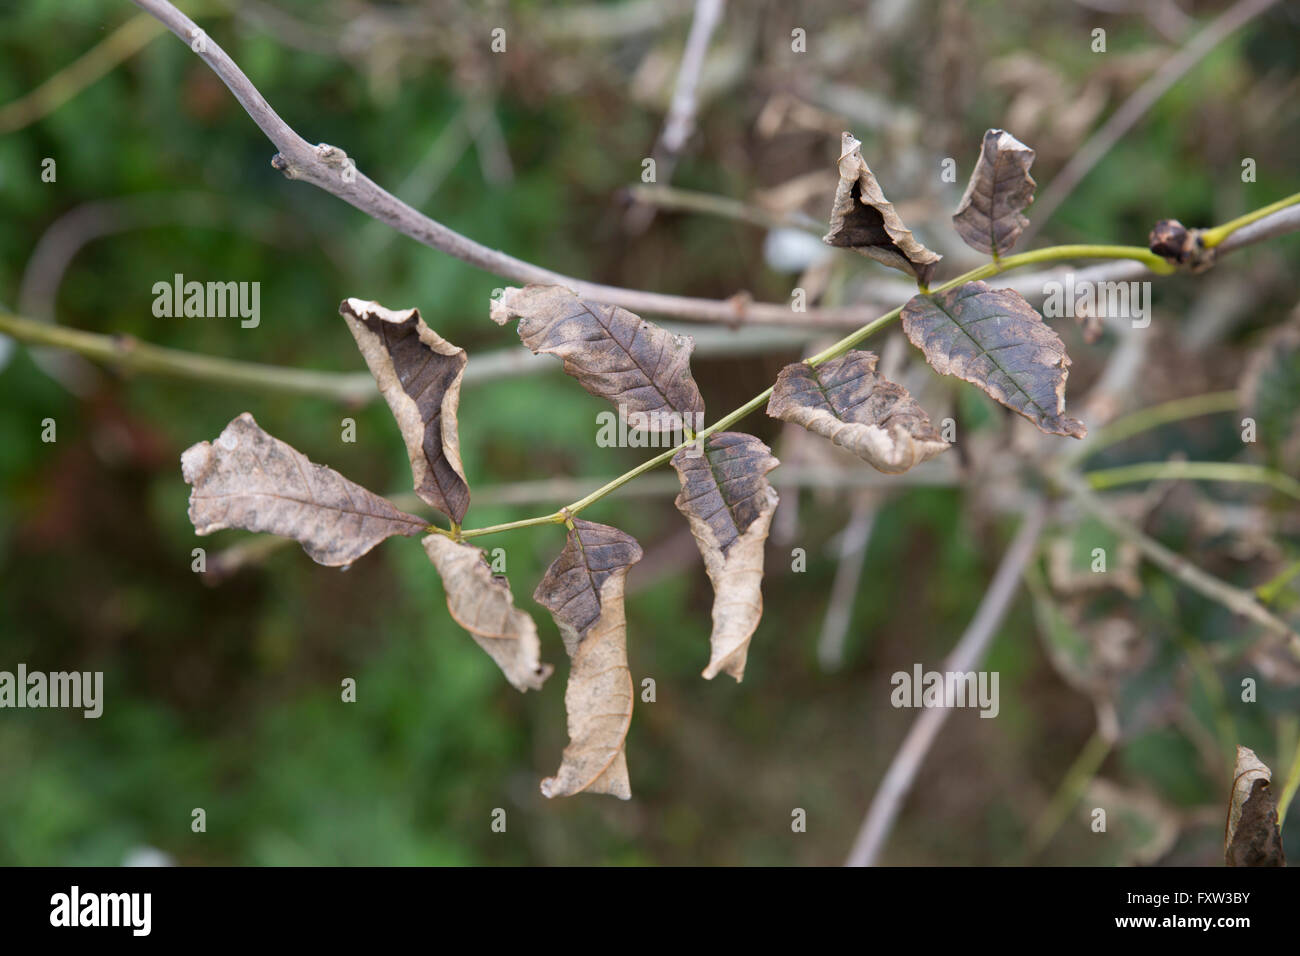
[[857, 408], [583, 588], [993, 338], [862, 219], [612, 353], [481, 603], [729, 503], [419, 375], [989, 216], [1252, 837], [251, 480]]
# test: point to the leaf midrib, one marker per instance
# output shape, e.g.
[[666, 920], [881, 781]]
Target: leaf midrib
[[983, 351]]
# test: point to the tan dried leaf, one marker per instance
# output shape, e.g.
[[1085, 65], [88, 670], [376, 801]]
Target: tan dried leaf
[[613, 354], [251, 480], [993, 338], [729, 503], [857, 408], [583, 588], [481, 603], [419, 374], [989, 216], [862, 219], [1252, 837]]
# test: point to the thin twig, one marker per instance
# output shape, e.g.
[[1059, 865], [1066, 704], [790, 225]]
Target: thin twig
[[59, 244], [966, 656], [330, 169], [1228, 471], [427, 177], [1211, 238], [1269, 591], [121, 44], [1073, 784], [607, 22], [848, 574], [689, 200], [1289, 788], [1233, 598], [1145, 419], [1268, 227], [680, 122], [126, 353], [130, 354]]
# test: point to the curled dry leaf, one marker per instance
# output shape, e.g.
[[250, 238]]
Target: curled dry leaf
[[251, 480], [583, 589], [481, 603], [1252, 837], [989, 216], [613, 354], [849, 402], [993, 338], [418, 373], [862, 219], [729, 503]]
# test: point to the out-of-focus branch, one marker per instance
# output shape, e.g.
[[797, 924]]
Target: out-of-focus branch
[[133, 355], [1228, 471], [1145, 419], [966, 656], [66, 236], [724, 207], [130, 354], [119, 45], [848, 573], [1076, 780], [1136, 106], [330, 168], [602, 22], [1233, 598], [1289, 788], [680, 122]]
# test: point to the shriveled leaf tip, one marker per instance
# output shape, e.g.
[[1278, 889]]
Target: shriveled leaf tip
[[862, 219]]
